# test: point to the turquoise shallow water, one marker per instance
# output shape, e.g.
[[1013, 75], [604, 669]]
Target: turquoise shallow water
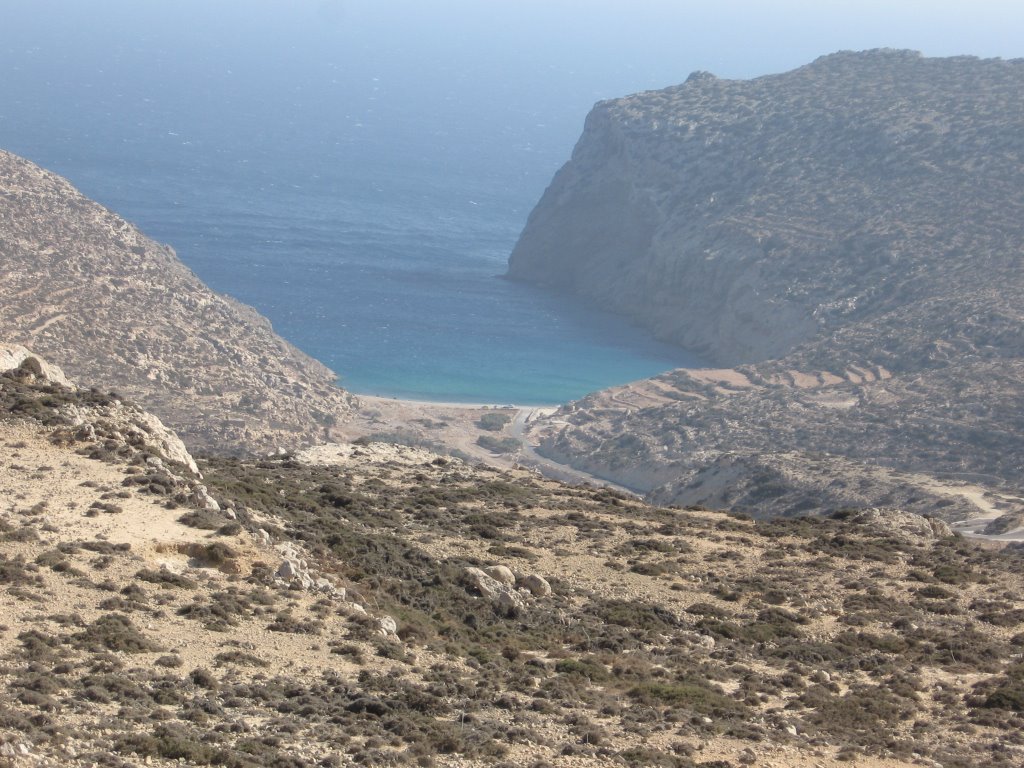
[[402, 297], [364, 200]]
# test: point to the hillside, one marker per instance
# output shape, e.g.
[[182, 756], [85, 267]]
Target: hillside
[[846, 239], [396, 607], [88, 290]]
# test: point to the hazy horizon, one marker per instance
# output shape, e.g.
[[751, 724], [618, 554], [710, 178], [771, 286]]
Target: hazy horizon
[[537, 64]]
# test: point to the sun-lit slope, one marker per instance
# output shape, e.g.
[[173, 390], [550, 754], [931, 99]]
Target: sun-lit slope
[[398, 607]]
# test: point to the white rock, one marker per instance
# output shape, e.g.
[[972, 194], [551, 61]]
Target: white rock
[[387, 626], [503, 595], [510, 601], [537, 585], [501, 574], [288, 570], [203, 497], [324, 585], [488, 586]]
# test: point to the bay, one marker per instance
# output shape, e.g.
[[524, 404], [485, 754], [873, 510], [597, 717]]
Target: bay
[[365, 200]]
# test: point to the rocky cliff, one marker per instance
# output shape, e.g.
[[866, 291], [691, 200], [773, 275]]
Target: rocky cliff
[[741, 218], [90, 292], [848, 234]]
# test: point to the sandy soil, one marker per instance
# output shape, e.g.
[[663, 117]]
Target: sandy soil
[[50, 489]]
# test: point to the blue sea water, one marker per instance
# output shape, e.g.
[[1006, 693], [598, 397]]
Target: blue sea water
[[359, 170], [366, 203]]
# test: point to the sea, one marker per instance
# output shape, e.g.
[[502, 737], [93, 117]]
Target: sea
[[365, 201]]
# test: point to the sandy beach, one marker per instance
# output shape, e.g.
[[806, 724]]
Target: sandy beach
[[459, 429]]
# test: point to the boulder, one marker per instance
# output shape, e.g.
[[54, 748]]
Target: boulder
[[294, 570], [288, 570], [486, 585], [504, 596], [536, 585], [204, 500], [502, 574], [510, 601], [699, 642]]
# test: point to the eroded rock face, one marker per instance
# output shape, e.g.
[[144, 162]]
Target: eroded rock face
[[90, 292]]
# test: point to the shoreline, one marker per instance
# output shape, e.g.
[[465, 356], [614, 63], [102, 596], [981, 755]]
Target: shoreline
[[461, 405]]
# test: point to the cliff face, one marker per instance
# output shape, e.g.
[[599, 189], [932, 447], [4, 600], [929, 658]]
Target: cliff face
[[743, 218], [849, 236], [110, 306]]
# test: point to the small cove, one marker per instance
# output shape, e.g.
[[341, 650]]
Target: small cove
[[365, 203]]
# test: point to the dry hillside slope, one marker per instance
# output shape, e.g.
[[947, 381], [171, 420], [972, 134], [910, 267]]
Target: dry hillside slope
[[89, 291], [400, 608]]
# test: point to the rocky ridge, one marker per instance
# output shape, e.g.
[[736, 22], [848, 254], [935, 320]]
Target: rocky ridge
[[848, 236], [86, 289]]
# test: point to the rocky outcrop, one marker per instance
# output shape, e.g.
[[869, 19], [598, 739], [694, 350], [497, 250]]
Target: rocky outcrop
[[1011, 521], [903, 525], [88, 417], [15, 357], [507, 590], [90, 292], [847, 237]]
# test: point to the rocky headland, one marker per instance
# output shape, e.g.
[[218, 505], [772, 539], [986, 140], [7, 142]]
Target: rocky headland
[[112, 307], [845, 241]]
